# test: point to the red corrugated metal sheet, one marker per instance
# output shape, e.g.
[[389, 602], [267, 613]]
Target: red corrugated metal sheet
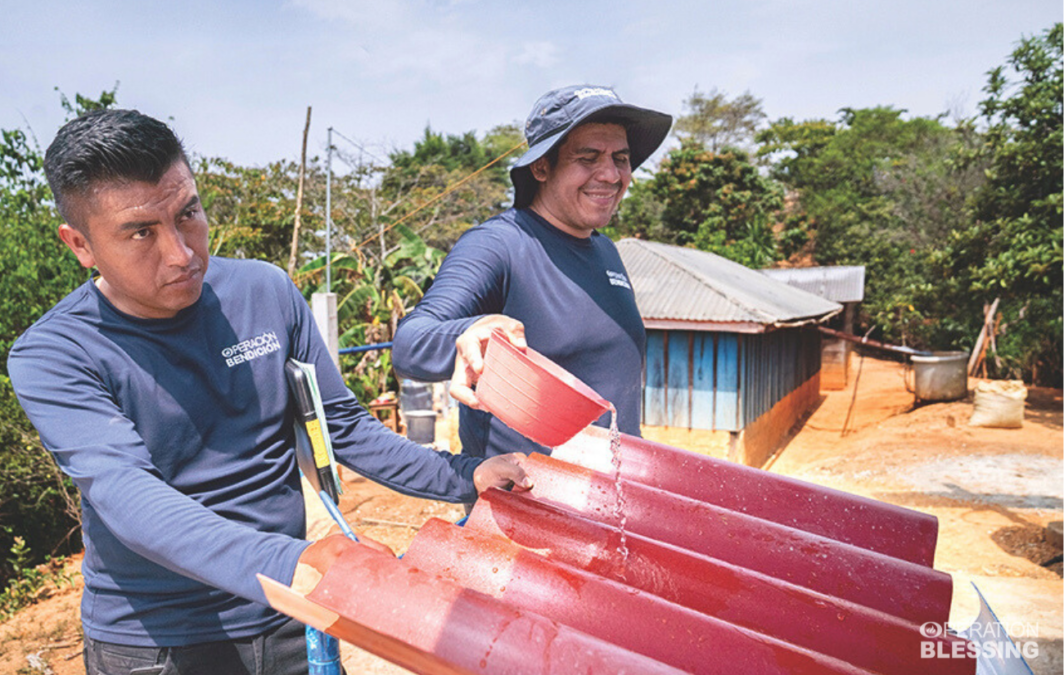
[[877, 526], [719, 569]]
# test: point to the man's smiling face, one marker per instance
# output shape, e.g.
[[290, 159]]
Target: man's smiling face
[[582, 191], [148, 240]]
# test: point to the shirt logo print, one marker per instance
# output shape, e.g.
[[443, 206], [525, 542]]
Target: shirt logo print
[[252, 348], [618, 279]]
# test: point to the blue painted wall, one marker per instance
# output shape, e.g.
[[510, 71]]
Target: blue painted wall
[[724, 381], [654, 407]]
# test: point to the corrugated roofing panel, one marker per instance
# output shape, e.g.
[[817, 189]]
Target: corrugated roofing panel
[[682, 284], [629, 556], [731, 593], [599, 569], [839, 283], [867, 523]]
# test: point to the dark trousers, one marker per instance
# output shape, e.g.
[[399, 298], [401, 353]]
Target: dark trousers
[[282, 651]]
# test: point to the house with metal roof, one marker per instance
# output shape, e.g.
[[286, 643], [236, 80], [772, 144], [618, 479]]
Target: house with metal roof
[[728, 348], [842, 284]]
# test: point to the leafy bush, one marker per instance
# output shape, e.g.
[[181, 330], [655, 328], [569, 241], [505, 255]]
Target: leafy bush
[[28, 579], [37, 503], [371, 298]]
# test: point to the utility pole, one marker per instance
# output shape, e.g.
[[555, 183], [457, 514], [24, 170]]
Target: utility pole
[[328, 213], [323, 303], [294, 256]]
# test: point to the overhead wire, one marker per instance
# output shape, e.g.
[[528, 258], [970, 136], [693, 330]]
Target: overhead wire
[[440, 196], [358, 145]]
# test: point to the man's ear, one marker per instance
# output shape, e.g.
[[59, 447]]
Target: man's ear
[[540, 169], [78, 243]]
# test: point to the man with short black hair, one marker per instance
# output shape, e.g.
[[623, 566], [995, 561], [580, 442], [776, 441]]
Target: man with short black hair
[[159, 386], [541, 272]]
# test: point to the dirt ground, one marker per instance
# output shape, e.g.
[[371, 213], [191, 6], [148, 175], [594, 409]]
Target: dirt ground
[[993, 491]]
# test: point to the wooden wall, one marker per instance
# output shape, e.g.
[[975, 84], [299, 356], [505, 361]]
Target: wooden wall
[[835, 363]]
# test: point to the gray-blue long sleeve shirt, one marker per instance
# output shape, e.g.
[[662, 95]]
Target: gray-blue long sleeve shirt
[[572, 295], [179, 435]]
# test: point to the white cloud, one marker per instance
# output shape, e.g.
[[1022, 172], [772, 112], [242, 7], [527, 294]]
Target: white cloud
[[540, 54], [365, 14], [236, 77], [418, 42]]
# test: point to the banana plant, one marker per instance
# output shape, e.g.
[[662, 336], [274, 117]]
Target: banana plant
[[371, 298]]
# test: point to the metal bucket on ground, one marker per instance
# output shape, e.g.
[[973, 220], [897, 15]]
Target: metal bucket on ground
[[941, 376], [421, 426], [414, 395]]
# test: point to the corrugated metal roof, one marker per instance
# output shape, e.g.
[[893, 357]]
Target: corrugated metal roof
[[839, 283], [672, 283], [665, 562]]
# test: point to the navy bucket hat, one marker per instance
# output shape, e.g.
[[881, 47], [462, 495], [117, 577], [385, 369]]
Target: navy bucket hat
[[557, 112]]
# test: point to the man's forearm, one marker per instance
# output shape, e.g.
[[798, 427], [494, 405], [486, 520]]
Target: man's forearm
[[424, 347]]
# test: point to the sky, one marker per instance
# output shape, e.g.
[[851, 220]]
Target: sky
[[234, 77]]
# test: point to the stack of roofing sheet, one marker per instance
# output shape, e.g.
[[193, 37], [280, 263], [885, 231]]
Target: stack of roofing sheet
[[718, 568]]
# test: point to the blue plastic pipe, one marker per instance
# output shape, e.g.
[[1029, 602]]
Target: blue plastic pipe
[[323, 651], [365, 348], [334, 511]]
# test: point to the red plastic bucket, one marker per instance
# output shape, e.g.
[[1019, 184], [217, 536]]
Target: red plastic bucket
[[535, 396]]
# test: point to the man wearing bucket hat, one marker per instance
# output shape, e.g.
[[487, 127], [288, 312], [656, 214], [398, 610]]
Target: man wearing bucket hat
[[541, 272]]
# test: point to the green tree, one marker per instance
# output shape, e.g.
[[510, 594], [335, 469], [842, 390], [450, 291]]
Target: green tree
[[439, 163], [83, 104], [838, 169], [251, 209], [38, 269], [717, 123], [37, 503], [1013, 249], [715, 202], [878, 190]]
